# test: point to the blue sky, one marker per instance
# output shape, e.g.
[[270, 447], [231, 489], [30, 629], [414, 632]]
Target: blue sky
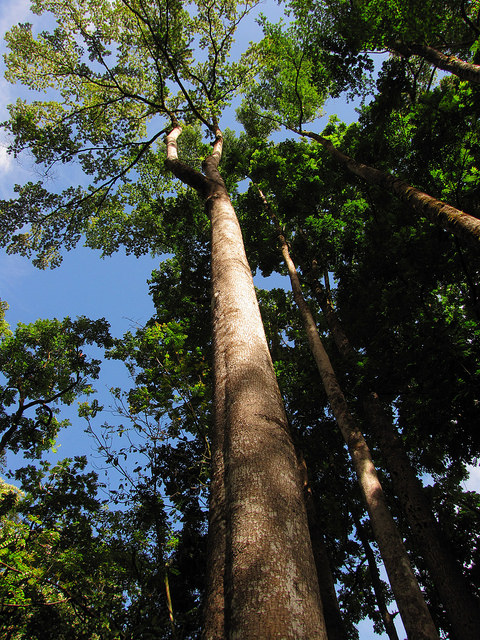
[[115, 288]]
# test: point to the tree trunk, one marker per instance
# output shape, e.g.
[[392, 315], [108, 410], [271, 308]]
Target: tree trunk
[[331, 609], [214, 608], [458, 222], [462, 608], [411, 604], [269, 578], [464, 70], [376, 581]]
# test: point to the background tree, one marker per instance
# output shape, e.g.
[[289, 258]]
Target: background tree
[[435, 31], [154, 47], [43, 365], [404, 291]]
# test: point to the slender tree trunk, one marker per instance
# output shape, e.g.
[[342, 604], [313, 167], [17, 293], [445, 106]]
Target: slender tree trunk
[[464, 70], [322, 294], [413, 610], [462, 608], [331, 609], [376, 581], [458, 222], [269, 579]]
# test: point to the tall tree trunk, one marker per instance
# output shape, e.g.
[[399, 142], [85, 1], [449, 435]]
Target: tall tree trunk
[[458, 222], [411, 604], [464, 70], [214, 609], [462, 608], [331, 609], [376, 580], [269, 579]]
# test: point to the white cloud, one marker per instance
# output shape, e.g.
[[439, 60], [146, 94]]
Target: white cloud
[[473, 482]]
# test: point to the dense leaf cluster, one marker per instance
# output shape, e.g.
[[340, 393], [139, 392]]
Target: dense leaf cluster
[[80, 558]]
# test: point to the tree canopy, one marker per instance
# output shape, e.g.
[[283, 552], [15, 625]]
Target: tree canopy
[[185, 529]]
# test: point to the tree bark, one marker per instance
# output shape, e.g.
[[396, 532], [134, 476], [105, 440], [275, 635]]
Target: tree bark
[[447, 62], [214, 608], [461, 606], [411, 604], [269, 579], [457, 222]]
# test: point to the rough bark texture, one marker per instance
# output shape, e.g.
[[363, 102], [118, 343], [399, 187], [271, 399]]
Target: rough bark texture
[[458, 222], [271, 590], [464, 70], [269, 577], [462, 608], [411, 604]]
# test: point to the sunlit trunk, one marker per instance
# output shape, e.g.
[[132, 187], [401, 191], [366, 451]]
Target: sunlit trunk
[[447, 62], [270, 584], [413, 610], [458, 222], [462, 608]]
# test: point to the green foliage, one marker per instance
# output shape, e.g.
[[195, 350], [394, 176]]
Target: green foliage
[[341, 25], [332, 35], [120, 69], [4, 326], [42, 365], [72, 567], [59, 578], [283, 87], [407, 294]]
